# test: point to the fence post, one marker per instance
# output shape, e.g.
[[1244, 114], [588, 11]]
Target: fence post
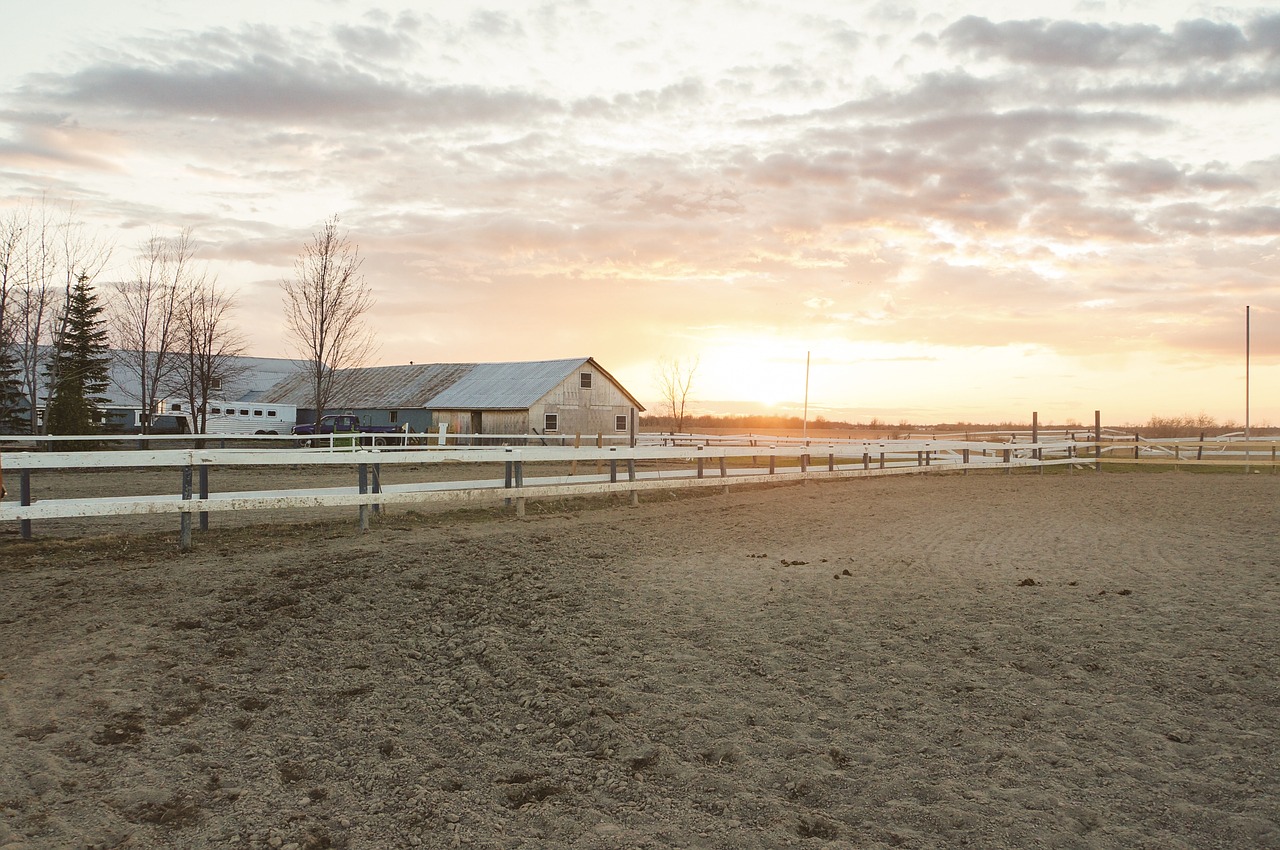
[[772, 459], [204, 494], [362, 476], [866, 460], [184, 536], [1008, 460], [518, 470], [377, 486], [1097, 441], [723, 471], [1200, 448], [577, 444], [831, 462], [964, 459], [24, 499]]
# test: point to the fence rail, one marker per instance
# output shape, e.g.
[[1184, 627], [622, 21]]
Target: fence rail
[[631, 470]]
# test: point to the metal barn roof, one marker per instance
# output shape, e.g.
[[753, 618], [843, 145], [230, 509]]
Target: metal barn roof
[[505, 386], [382, 387], [439, 386]]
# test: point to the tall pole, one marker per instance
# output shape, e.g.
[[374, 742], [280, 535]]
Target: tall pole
[[807, 354], [1246, 388]]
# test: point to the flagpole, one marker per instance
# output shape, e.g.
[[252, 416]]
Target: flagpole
[[1246, 388]]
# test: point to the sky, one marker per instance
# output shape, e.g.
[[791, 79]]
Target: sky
[[952, 213]]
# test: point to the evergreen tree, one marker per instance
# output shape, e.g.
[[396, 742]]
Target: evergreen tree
[[80, 370], [13, 401]]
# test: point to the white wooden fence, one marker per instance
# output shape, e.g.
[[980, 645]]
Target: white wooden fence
[[631, 471]]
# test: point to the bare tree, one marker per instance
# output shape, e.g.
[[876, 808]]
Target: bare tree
[[144, 316], [208, 346], [675, 382], [325, 303], [52, 254]]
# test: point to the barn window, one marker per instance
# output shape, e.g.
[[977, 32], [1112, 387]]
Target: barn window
[[584, 380], [175, 407], [550, 422], [215, 384], [620, 422], [395, 415]]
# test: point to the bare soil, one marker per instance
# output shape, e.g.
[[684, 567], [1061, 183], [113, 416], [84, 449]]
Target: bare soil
[[1074, 661]]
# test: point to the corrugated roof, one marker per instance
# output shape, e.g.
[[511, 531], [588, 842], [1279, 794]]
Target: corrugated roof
[[374, 387], [438, 386], [251, 377], [505, 386]]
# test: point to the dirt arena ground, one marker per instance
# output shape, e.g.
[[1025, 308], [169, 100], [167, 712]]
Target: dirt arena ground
[[990, 661]]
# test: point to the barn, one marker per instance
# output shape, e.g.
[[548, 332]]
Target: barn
[[540, 398]]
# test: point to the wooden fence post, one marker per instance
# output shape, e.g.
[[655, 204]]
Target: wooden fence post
[[24, 499], [204, 494], [1097, 441], [1035, 438], [377, 486], [577, 444], [362, 476], [184, 535]]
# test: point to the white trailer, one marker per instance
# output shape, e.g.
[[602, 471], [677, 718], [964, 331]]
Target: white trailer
[[238, 417]]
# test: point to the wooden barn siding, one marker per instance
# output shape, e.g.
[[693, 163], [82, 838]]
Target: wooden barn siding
[[505, 422], [582, 411]]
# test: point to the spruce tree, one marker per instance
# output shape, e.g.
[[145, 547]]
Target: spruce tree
[[13, 401], [80, 371]]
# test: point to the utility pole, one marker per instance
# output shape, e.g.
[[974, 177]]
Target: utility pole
[[805, 432]]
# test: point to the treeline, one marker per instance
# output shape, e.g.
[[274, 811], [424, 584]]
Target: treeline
[[746, 422], [1157, 426]]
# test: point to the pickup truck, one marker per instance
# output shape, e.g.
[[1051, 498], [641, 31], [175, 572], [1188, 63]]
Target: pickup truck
[[343, 423]]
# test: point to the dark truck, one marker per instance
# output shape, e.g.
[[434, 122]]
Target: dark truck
[[343, 424]]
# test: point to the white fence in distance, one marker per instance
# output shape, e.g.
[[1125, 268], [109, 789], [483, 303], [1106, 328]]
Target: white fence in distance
[[670, 467]]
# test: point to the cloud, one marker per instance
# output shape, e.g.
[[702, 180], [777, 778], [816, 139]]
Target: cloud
[[1075, 44], [270, 89], [381, 40], [43, 140]]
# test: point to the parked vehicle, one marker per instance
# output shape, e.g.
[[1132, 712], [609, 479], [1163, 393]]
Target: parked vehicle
[[236, 417], [343, 423], [170, 423]]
